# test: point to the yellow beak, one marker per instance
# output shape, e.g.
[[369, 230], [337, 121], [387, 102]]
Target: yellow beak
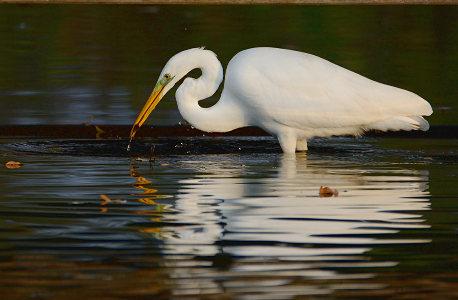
[[149, 106]]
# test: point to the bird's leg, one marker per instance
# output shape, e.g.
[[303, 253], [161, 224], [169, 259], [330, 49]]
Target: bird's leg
[[287, 143], [301, 145]]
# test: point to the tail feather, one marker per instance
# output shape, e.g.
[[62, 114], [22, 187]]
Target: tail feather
[[423, 124], [401, 123]]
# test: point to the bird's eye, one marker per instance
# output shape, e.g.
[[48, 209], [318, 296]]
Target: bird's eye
[[167, 76]]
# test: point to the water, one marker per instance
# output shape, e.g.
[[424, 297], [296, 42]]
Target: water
[[231, 225], [227, 217]]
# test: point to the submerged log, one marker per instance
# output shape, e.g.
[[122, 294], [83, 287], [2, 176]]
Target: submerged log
[[122, 131]]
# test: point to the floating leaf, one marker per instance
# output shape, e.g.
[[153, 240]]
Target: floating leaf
[[13, 164], [105, 199], [328, 192]]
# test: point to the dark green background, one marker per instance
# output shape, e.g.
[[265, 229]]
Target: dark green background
[[65, 63]]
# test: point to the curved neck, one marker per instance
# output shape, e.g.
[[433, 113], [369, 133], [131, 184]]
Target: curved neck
[[222, 116]]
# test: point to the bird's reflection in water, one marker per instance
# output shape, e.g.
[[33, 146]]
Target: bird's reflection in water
[[275, 225]]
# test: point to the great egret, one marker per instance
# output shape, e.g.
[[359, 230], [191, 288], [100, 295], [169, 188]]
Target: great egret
[[292, 95]]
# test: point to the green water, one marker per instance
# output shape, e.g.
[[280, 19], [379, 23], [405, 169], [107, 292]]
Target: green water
[[62, 64], [80, 221], [231, 225]]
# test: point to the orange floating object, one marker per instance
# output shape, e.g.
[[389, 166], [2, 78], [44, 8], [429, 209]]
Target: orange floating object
[[13, 164], [105, 199], [328, 192]]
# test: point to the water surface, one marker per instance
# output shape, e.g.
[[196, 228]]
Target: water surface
[[232, 225], [83, 220]]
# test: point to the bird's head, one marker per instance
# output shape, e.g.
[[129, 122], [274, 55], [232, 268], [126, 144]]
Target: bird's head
[[175, 69], [166, 81]]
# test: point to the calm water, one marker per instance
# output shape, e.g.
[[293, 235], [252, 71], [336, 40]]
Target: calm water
[[235, 226], [244, 226]]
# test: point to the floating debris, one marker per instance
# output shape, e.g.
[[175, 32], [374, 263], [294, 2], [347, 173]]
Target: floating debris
[[328, 192], [107, 200], [13, 164]]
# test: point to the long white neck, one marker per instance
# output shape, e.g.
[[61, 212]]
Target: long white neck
[[225, 115]]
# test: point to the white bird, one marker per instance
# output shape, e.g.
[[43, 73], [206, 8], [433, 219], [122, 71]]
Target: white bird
[[292, 95]]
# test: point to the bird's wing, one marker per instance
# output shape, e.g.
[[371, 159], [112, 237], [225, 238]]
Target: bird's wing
[[304, 91]]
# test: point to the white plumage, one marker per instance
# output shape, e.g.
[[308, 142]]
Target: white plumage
[[292, 95]]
